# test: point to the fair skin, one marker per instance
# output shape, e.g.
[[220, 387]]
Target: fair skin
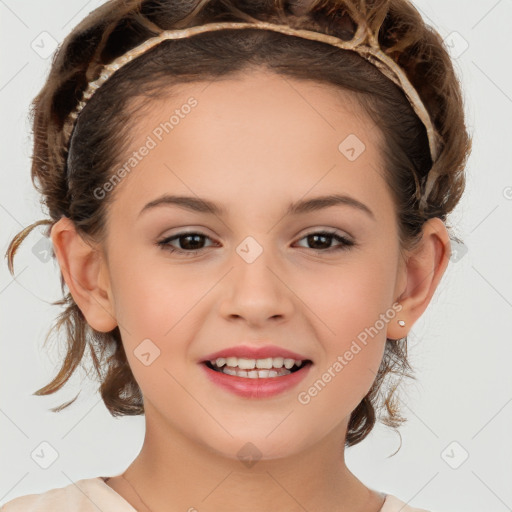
[[254, 145]]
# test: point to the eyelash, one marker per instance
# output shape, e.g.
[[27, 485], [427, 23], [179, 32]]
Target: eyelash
[[164, 244]]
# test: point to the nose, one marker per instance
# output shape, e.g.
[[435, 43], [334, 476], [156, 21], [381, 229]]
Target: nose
[[257, 290]]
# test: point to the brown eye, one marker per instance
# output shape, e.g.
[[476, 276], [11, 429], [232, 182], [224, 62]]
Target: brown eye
[[190, 243], [321, 241]]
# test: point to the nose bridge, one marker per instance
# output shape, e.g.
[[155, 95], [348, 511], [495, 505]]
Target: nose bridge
[[257, 265], [256, 289]]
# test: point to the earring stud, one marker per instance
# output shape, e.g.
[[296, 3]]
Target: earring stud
[[401, 323]]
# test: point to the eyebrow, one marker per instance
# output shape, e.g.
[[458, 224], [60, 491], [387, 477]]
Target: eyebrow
[[199, 205]]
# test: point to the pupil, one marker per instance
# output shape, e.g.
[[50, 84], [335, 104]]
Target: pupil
[[314, 238], [187, 245]]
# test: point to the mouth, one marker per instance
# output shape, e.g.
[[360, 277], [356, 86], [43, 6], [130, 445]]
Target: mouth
[[256, 377], [267, 368]]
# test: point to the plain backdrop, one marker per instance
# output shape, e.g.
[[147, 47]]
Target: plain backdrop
[[456, 448]]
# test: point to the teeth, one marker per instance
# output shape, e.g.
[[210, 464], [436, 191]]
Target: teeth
[[264, 363], [268, 363], [288, 363], [231, 361], [246, 364], [277, 362], [256, 374]]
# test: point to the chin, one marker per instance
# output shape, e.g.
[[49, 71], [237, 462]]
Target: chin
[[257, 445]]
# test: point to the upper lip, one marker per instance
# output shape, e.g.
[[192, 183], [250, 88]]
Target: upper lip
[[251, 352]]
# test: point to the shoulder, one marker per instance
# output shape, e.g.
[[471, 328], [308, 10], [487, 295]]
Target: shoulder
[[87, 495], [394, 504]]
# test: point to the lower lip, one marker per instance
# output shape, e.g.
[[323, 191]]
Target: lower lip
[[256, 388]]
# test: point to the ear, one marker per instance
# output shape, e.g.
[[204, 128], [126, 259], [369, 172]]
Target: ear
[[424, 266], [86, 275]]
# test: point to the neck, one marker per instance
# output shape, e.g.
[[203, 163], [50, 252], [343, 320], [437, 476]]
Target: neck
[[173, 473]]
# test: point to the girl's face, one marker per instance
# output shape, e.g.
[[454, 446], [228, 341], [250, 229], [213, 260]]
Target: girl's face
[[256, 272]]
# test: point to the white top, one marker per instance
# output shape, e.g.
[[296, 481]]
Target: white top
[[93, 494]]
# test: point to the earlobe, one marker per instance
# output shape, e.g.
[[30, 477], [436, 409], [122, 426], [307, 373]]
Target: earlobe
[[424, 268], [83, 268]]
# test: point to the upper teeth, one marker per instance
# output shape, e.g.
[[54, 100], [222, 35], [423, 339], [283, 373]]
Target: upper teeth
[[249, 364]]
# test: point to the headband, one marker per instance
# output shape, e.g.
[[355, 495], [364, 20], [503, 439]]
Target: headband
[[364, 42]]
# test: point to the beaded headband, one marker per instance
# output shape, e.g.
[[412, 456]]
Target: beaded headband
[[364, 42]]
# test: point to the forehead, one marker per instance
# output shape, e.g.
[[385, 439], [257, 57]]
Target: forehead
[[252, 140]]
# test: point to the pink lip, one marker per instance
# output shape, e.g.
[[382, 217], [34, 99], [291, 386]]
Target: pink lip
[[250, 352], [256, 388]]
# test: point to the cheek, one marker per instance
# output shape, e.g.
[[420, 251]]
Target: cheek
[[150, 294], [352, 304], [152, 314], [158, 302], [350, 297]]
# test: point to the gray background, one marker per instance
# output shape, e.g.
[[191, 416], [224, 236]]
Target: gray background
[[456, 448]]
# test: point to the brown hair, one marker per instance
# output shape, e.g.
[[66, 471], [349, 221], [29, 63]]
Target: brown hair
[[67, 177]]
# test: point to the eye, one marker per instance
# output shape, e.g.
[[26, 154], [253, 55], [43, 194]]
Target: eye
[[190, 243], [320, 239]]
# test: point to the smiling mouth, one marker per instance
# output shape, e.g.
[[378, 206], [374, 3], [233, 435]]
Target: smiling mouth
[[274, 370]]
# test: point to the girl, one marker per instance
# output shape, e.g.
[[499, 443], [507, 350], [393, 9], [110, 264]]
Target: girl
[[247, 202]]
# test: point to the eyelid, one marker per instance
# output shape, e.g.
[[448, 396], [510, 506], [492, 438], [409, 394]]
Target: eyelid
[[318, 229], [330, 230]]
